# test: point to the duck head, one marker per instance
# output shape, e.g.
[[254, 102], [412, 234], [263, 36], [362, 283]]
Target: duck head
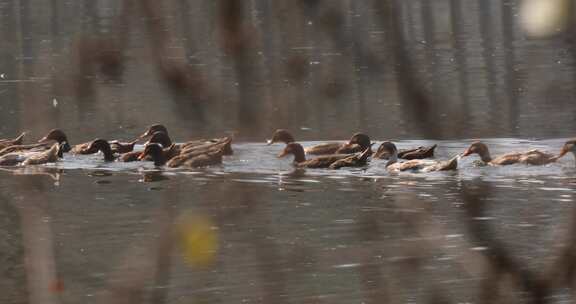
[[104, 147], [281, 135], [388, 148], [479, 148], [156, 152], [569, 146], [360, 139], [295, 149], [153, 129], [58, 136], [161, 138]]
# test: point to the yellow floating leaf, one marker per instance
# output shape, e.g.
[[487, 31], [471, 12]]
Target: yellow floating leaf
[[199, 240]]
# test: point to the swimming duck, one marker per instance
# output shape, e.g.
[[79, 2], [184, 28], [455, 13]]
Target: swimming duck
[[207, 158], [357, 143], [532, 157], [415, 165], [49, 156], [104, 147], [24, 148], [170, 152], [32, 157], [569, 146], [58, 136], [122, 147], [193, 152], [415, 153], [323, 161], [4, 143], [153, 129], [354, 160]]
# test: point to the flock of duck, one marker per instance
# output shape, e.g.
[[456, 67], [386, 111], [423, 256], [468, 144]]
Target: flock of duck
[[356, 152]]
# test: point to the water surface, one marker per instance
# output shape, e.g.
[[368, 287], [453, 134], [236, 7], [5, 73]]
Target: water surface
[[284, 235]]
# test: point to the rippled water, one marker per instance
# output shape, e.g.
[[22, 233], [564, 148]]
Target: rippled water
[[313, 236]]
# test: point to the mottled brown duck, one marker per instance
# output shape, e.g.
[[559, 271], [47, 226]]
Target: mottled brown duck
[[359, 142], [323, 161], [531, 157], [415, 153], [203, 159], [416, 165], [153, 129]]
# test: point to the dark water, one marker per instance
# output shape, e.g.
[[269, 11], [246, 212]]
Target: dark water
[[85, 231], [314, 236]]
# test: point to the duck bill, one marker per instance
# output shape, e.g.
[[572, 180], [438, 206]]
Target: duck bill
[[44, 139], [144, 135], [282, 154], [141, 156], [269, 142], [466, 153]]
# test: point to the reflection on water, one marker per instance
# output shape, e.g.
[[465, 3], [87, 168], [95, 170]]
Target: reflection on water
[[283, 235]]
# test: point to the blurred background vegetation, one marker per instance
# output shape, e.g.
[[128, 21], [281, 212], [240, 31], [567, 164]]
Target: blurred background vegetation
[[393, 69]]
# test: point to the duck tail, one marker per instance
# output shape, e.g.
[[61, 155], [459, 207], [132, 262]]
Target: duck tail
[[227, 147], [364, 155], [451, 164], [18, 140]]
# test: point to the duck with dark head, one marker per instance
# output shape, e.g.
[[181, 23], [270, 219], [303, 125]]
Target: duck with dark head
[[323, 161], [413, 153], [122, 147], [57, 135], [153, 129], [415, 165], [163, 138], [104, 147], [359, 142], [200, 159]]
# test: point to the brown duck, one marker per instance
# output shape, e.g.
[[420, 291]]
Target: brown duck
[[531, 157], [122, 147], [358, 143], [57, 135], [150, 132], [415, 165], [323, 161], [190, 153], [207, 158], [32, 157], [415, 153], [103, 146]]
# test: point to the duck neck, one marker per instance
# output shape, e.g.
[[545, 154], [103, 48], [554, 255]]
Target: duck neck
[[299, 156], [107, 151], [159, 159], [393, 159], [485, 156], [288, 139]]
